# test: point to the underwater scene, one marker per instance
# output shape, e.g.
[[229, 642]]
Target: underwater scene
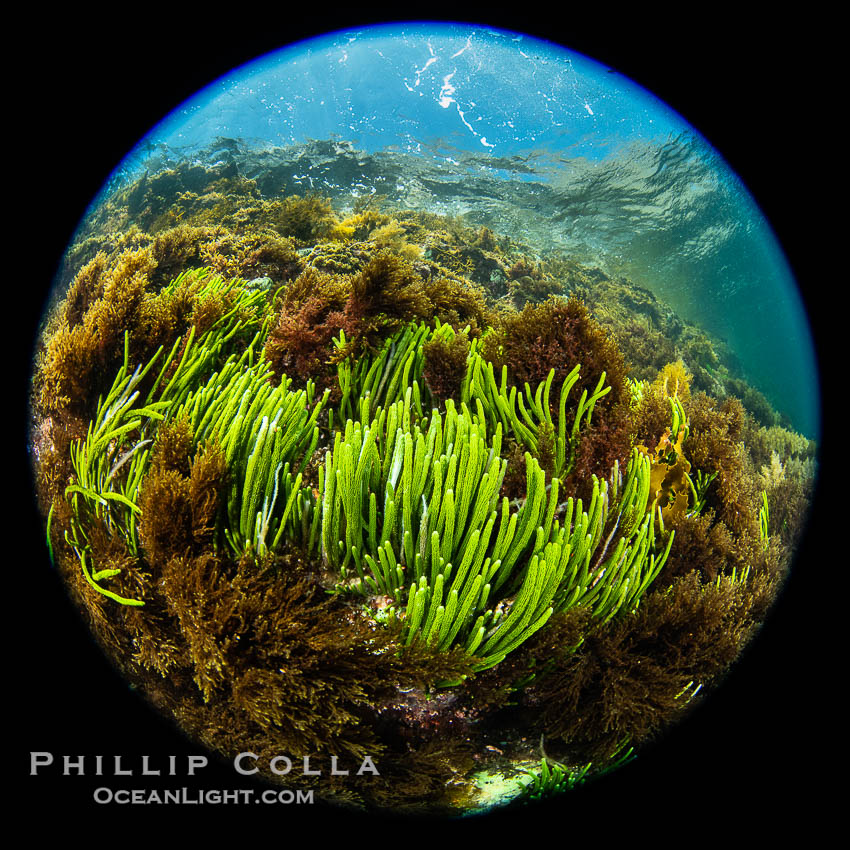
[[429, 402]]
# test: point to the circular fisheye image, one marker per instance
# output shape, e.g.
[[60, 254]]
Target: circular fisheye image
[[424, 418]]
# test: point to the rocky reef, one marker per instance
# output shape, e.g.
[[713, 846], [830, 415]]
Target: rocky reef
[[331, 474]]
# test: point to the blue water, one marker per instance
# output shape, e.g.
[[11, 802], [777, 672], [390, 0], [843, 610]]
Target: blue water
[[401, 85], [637, 190]]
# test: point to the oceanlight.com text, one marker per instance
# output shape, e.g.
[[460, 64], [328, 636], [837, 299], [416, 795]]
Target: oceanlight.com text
[[200, 797]]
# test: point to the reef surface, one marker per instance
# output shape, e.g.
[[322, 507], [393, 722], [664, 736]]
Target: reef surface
[[334, 469]]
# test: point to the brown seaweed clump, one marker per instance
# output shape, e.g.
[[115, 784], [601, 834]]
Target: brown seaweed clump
[[445, 366], [557, 335], [367, 307], [630, 679]]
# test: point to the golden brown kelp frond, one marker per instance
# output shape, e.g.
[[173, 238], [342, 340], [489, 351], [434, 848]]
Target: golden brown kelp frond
[[458, 302], [86, 347], [674, 381], [368, 307], [555, 335], [311, 313], [295, 662], [703, 545], [86, 288], [690, 495], [386, 291], [308, 219], [198, 593], [715, 446], [429, 781], [208, 480], [173, 448], [165, 528], [552, 338], [445, 365], [181, 494], [670, 481], [632, 677], [651, 401]]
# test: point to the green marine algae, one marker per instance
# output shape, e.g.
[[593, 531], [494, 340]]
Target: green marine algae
[[327, 493], [441, 531], [263, 429]]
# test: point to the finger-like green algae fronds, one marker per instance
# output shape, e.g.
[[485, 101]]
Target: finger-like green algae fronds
[[363, 511]]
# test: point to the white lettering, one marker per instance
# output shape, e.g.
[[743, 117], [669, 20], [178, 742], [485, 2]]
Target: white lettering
[[118, 771], [368, 766], [75, 763], [38, 760], [102, 795], [274, 762], [196, 762], [237, 764]]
